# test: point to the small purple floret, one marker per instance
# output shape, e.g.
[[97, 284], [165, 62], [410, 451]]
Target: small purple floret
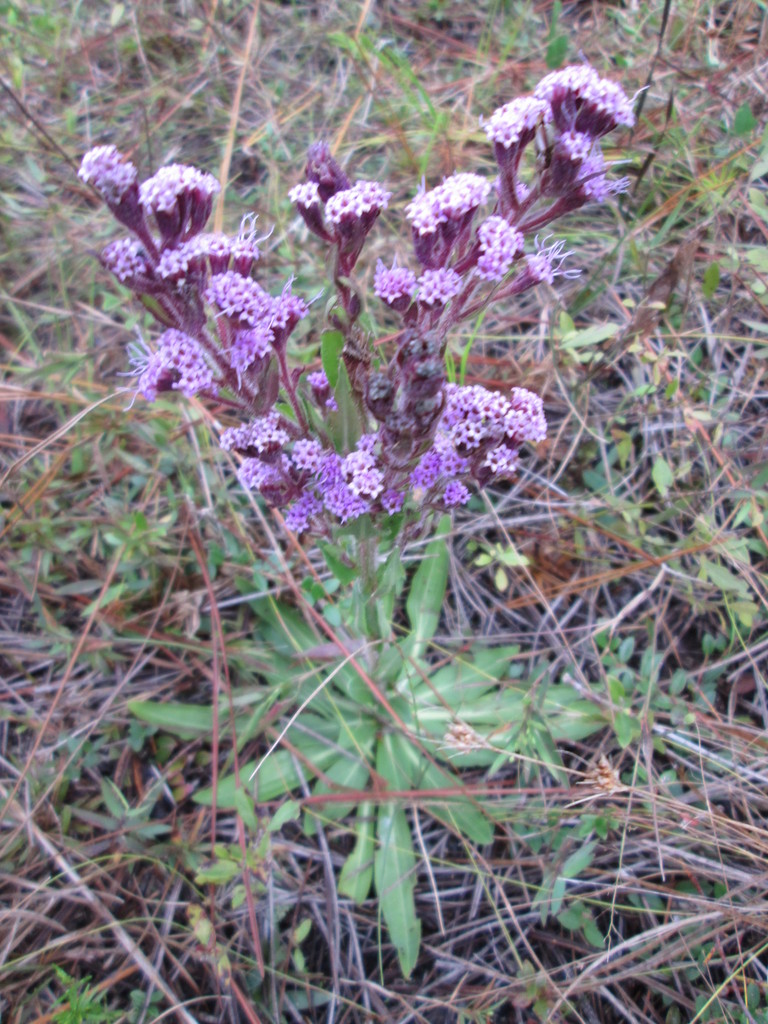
[[108, 171], [437, 287]]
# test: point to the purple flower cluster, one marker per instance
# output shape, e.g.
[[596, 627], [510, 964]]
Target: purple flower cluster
[[477, 437], [421, 442], [223, 330]]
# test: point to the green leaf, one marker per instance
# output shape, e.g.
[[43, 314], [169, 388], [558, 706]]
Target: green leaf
[[663, 476], [626, 728], [348, 772], [547, 751], [744, 122], [289, 811], [357, 873], [331, 344], [187, 721], [556, 51], [394, 873], [464, 814], [390, 580], [113, 799], [277, 776], [711, 280], [343, 572], [578, 861], [218, 873], [244, 807], [593, 335], [345, 422], [723, 578], [427, 593]]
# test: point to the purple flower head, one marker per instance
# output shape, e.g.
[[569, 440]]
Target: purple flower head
[[439, 465], [501, 462], [155, 377], [367, 443], [358, 203], [306, 196], [308, 454], [392, 501], [352, 212], [440, 218], [428, 471], [245, 245], [323, 170], [337, 496], [514, 125], [127, 260], [362, 475], [524, 420], [181, 199], [115, 178], [499, 243], [424, 213], [250, 346], [208, 251], [239, 298], [425, 216], [461, 194], [321, 390], [456, 493], [341, 501], [287, 310], [302, 512], [264, 436], [270, 478], [566, 158], [182, 355], [545, 265], [395, 285], [474, 417], [511, 128], [110, 173], [173, 265], [593, 183], [437, 287], [582, 101]]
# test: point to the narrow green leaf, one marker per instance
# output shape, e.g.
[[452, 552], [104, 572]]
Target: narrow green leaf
[[245, 808], [218, 873], [343, 572], [394, 873], [344, 773], [545, 747], [626, 728], [289, 811], [744, 122], [578, 861], [183, 720], [357, 873], [711, 280], [427, 593], [465, 815], [593, 335], [331, 345], [345, 422], [277, 776], [663, 476]]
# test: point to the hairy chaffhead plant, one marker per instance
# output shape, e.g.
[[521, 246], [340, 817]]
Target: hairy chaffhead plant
[[362, 448], [373, 434]]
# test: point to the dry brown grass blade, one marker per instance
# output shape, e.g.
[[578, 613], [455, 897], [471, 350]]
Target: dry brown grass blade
[[226, 159], [16, 813]]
